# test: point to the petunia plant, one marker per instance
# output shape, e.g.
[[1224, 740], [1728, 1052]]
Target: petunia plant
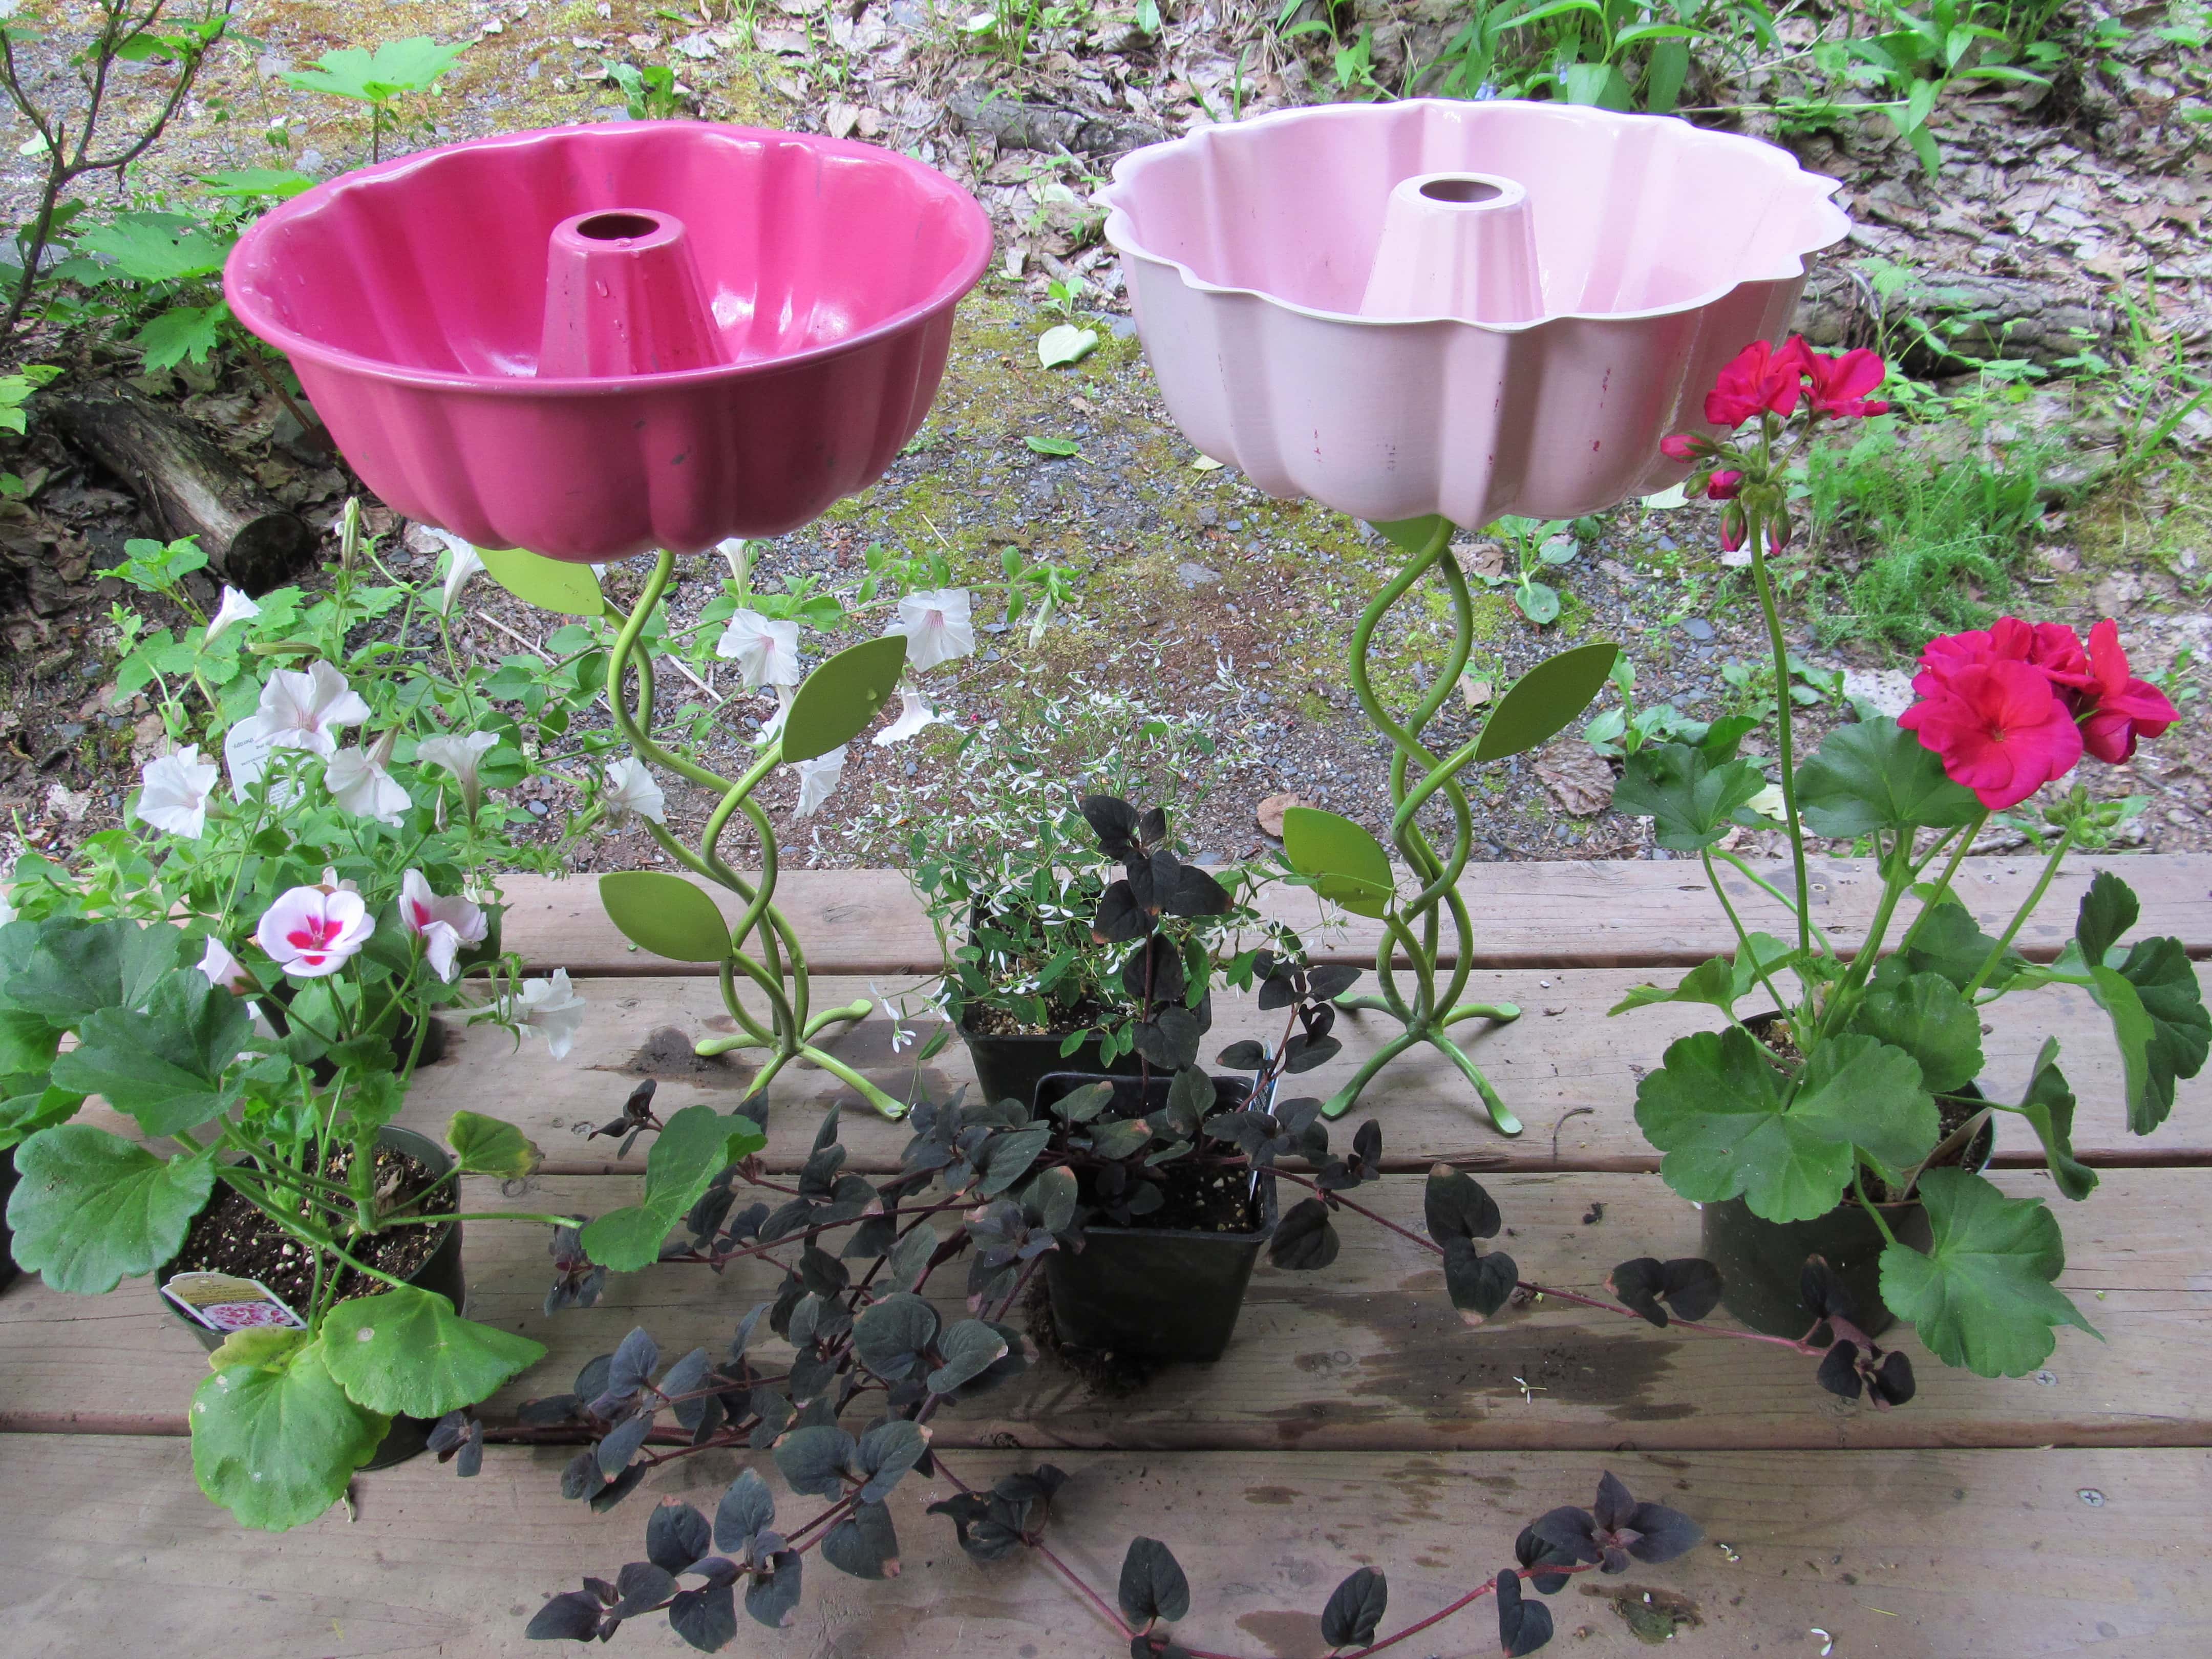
[[1845, 1072]]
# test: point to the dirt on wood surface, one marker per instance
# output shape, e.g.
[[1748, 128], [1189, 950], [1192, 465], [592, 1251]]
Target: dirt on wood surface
[[2055, 211]]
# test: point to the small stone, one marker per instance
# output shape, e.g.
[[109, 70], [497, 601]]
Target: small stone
[[1886, 690], [1196, 575], [1699, 629]]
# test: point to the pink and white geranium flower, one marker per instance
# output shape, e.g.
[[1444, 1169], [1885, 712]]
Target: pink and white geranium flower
[[311, 932], [173, 791], [444, 925], [937, 627]]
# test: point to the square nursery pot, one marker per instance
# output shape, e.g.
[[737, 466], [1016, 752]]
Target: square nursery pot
[[1165, 1293], [1011, 1067], [1762, 1262], [442, 1272]]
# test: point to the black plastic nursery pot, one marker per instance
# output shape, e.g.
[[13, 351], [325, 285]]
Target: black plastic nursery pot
[[408, 1435], [1762, 1262], [1164, 1293], [1010, 1067]]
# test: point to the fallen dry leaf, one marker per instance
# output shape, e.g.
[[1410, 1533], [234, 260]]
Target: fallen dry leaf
[[1580, 781], [1480, 559], [1271, 810]]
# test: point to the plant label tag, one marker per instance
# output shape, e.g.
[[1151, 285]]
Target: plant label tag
[[219, 1301]]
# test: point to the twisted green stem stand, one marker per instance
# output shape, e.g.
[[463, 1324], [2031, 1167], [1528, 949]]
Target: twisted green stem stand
[[1412, 928], [787, 1033]]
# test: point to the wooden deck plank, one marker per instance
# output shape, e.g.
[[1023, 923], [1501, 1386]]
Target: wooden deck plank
[[1365, 1355], [1940, 1555], [1562, 1065], [1553, 915]]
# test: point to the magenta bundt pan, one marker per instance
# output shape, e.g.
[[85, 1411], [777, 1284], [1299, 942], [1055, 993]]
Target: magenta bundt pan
[[591, 341], [1468, 309]]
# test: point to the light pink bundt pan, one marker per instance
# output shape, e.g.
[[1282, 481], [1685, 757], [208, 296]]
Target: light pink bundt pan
[[1463, 309]]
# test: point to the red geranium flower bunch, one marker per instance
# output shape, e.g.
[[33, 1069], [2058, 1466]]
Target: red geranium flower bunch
[[1770, 383], [2012, 707]]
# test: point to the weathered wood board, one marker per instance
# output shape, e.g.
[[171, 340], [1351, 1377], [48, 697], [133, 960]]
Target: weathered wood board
[[1366, 1354], [1936, 1555]]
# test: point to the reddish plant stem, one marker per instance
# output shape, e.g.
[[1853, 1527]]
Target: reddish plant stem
[[1794, 1345], [1105, 1609]]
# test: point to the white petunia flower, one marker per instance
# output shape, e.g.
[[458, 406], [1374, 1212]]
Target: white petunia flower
[[174, 792], [444, 925], [297, 710], [630, 788], [359, 783], [234, 609], [915, 713], [311, 933], [817, 781], [937, 627], [462, 563], [460, 756], [551, 1008], [7, 908], [766, 653], [224, 971]]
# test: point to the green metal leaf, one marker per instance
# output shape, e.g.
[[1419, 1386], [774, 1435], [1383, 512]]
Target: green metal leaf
[[407, 1352], [1413, 535], [1545, 700], [90, 1208], [839, 698], [556, 584], [666, 914], [1982, 1296], [1354, 869], [276, 1442], [492, 1147]]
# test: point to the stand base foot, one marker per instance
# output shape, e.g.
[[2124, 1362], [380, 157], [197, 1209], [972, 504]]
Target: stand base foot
[[1432, 1033]]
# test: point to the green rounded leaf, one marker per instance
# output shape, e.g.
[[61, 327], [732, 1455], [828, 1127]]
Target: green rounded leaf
[[91, 1209], [275, 1443], [1153, 1583], [1924, 1015], [1876, 775], [163, 1067], [890, 1335], [838, 699], [554, 585], [1545, 700], [490, 1145], [666, 914], [1352, 868], [969, 1348], [1982, 1296], [1690, 799], [407, 1352], [691, 1149], [2048, 1106]]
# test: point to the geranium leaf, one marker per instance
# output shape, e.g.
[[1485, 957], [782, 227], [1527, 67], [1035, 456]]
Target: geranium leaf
[[275, 1443], [2109, 908], [90, 1208], [2165, 982], [1691, 801], [1947, 940], [1924, 1015], [1875, 775], [407, 1352], [1982, 1296], [163, 1067], [490, 1145], [2049, 1107]]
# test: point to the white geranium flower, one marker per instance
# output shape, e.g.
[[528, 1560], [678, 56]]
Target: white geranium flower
[[224, 971], [462, 563], [915, 713], [234, 609], [551, 1008], [359, 783], [173, 791], [766, 653], [817, 781], [630, 788], [444, 925], [460, 756], [937, 627], [311, 932]]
